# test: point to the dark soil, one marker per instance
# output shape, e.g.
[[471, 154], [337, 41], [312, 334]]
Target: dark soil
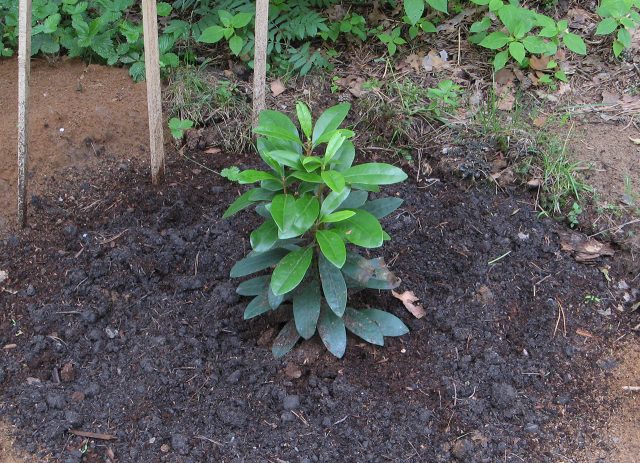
[[126, 323]]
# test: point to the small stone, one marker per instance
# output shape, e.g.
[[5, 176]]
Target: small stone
[[180, 444], [111, 332], [292, 371], [287, 417], [291, 402], [31, 291], [33, 381], [164, 448], [68, 373], [532, 428]]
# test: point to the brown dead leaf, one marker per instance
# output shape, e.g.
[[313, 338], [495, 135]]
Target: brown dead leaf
[[353, 84], [539, 64], [292, 371], [277, 87], [212, 150], [506, 96], [92, 435], [582, 248], [540, 121], [534, 183], [409, 300], [583, 332], [504, 76], [434, 61], [412, 61]]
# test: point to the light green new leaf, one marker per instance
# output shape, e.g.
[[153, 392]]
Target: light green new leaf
[[212, 34], [334, 144], [374, 174], [330, 120], [264, 237], [516, 49], [290, 271], [500, 60], [389, 324], [286, 339], [306, 308], [311, 163], [307, 177], [414, 10], [304, 117], [287, 158], [334, 180], [333, 285], [332, 247], [334, 200], [440, 5], [252, 176], [363, 229], [332, 332], [257, 261], [495, 40], [362, 326], [337, 216], [575, 43], [283, 210], [606, 26]]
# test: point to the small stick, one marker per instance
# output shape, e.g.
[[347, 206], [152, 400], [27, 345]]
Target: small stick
[[92, 435], [499, 258], [24, 72], [260, 58], [154, 96], [631, 388]]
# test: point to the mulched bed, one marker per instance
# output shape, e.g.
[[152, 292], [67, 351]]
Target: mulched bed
[[125, 323]]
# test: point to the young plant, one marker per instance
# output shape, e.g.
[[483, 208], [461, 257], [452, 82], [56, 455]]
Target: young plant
[[445, 98], [232, 28], [621, 16], [314, 201], [392, 40], [179, 126]]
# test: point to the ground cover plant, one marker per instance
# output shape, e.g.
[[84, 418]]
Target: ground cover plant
[[314, 200]]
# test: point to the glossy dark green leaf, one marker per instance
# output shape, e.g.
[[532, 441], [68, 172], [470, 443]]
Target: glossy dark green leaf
[[257, 306], [272, 185], [285, 341], [330, 120], [333, 285], [382, 207], [332, 247], [307, 177], [344, 157], [252, 176], [374, 173], [265, 236], [283, 210], [363, 229], [306, 308], [332, 332], [254, 286], [304, 117], [389, 324], [334, 180], [334, 144], [334, 200], [257, 261], [277, 125], [242, 202], [306, 213], [286, 158], [354, 200], [291, 270], [362, 326], [274, 300]]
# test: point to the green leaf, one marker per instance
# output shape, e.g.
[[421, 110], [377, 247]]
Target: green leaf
[[440, 5], [212, 34], [618, 48], [382, 207], [257, 306], [240, 20], [362, 326], [354, 200], [334, 144], [257, 261], [333, 285], [624, 37], [287, 158], [332, 332], [264, 237], [516, 49], [334, 200], [389, 324], [332, 247], [235, 44], [245, 200], [374, 174], [607, 26], [277, 125], [306, 308], [334, 180], [307, 177], [500, 60], [414, 10], [363, 229], [480, 26], [330, 120], [428, 27], [252, 176], [304, 117], [535, 44], [274, 300], [311, 163], [495, 40], [285, 341], [254, 286], [337, 216], [291, 270], [163, 9], [307, 210], [575, 43], [283, 211]]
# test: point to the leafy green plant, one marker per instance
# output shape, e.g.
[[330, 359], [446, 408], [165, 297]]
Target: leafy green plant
[[313, 201], [179, 126], [392, 40], [230, 173], [445, 98], [232, 28], [352, 24], [621, 16]]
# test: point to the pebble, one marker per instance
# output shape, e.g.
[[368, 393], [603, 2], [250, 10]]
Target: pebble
[[291, 402], [180, 444], [111, 332], [31, 291], [532, 428], [234, 377]]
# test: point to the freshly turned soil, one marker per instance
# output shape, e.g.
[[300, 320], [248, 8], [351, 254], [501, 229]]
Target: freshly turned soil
[[126, 323]]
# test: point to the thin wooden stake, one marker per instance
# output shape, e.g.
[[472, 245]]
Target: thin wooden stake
[[260, 58], [154, 96], [24, 72]]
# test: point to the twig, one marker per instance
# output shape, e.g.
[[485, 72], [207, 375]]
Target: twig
[[631, 388], [613, 228], [499, 258]]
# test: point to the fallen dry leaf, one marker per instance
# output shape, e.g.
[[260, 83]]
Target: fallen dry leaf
[[409, 300], [434, 61], [584, 249], [212, 150], [582, 332], [539, 64], [353, 84], [540, 121], [92, 435], [506, 96], [277, 87]]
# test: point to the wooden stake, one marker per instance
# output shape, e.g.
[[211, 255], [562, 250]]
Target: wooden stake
[[24, 71], [154, 96], [260, 57]]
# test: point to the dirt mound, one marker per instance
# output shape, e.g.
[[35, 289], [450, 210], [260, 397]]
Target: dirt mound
[[77, 112], [129, 326]]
